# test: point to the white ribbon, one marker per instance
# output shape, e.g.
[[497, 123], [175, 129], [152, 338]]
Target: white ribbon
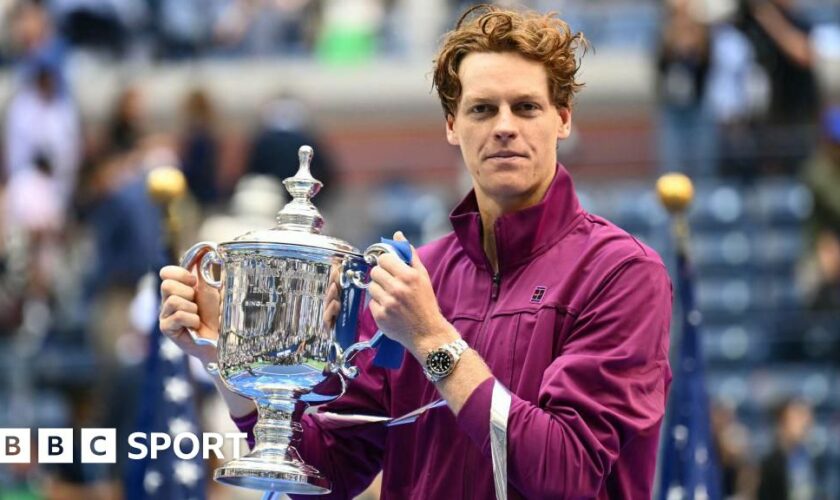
[[499, 411]]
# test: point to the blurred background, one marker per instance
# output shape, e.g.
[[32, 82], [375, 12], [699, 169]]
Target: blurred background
[[744, 97]]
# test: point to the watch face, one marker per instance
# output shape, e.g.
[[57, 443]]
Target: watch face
[[439, 362]]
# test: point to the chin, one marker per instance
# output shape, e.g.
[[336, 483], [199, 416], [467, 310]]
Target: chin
[[510, 191]]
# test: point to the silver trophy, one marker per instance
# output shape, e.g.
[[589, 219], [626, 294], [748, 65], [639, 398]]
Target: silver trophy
[[274, 345]]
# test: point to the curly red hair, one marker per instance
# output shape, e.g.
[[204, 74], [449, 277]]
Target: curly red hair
[[543, 38]]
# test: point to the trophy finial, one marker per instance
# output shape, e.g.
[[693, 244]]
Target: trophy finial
[[300, 214], [305, 154], [675, 192]]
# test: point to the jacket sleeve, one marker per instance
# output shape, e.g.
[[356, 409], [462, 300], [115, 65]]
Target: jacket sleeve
[[607, 386], [349, 457]]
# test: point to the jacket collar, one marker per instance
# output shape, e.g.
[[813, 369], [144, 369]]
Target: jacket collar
[[521, 235]]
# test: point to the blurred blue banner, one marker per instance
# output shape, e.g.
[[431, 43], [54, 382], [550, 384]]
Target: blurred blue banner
[[689, 465], [167, 406]]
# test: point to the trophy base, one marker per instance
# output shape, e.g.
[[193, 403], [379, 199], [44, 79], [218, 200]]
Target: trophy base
[[279, 476]]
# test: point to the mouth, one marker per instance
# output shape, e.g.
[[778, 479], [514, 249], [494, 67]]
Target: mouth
[[504, 154]]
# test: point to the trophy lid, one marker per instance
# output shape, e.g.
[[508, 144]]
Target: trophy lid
[[299, 222]]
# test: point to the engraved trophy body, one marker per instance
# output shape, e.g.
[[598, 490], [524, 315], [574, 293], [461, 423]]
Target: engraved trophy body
[[274, 345]]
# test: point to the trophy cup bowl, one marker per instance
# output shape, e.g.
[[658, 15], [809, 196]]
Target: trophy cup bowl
[[274, 344]]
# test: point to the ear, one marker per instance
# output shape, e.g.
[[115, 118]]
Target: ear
[[451, 136], [565, 125]]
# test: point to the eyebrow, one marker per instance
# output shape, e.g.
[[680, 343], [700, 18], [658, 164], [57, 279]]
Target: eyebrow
[[472, 99]]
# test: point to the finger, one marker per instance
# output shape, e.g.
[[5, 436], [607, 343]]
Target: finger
[[332, 292], [379, 294], [331, 312], [376, 310], [172, 287], [416, 263], [335, 269], [177, 273], [175, 303], [383, 278], [393, 265], [175, 324]]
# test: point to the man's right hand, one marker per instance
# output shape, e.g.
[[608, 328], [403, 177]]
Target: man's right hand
[[188, 302]]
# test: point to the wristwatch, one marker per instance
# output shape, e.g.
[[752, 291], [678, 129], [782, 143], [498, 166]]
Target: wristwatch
[[441, 362]]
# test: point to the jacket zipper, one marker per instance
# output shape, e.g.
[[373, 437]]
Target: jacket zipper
[[494, 296]]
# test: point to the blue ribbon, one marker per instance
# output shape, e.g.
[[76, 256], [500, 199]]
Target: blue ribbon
[[389, 353]]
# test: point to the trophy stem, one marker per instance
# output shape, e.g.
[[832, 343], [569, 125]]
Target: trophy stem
[[275, 428], [275, 464]]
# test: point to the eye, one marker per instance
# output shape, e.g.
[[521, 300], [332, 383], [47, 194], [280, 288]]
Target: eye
[[528, 107], [479, 109]]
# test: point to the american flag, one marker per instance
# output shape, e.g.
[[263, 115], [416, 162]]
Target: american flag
[[167, 405], [689, 468]]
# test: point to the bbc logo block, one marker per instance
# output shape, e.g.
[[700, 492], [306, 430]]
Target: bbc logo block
[[99, 446], [15, 446], [55, 446]]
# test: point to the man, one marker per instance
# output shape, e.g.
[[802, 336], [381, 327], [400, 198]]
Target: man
[[565, 316], [788, 471]]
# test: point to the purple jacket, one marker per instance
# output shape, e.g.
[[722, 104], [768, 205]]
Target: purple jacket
[[575, 325]]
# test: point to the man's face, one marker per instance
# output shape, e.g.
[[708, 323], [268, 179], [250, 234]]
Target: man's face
[[507, 128]]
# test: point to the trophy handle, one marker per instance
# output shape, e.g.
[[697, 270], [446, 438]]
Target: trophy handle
[[357, 278], [207, 252], [314, 398], [343, 366]]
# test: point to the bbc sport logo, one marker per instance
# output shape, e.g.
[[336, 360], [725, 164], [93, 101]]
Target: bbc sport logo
[[99, 446]]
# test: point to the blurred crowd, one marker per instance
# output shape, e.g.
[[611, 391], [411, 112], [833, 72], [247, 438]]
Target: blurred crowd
[[183, 29], [738, 99], [738, 86]]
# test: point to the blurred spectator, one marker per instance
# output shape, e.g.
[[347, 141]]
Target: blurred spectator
[[738, 92], [783, 47], [184, 27], [105, 26], [34, 42], [34, 212], [264, 27], [42, 120], [788, 473], [125, 224], [731, 439], [283, 131], [820, 272], [33, 200], [125, 127], [686, 137], [200, 147]]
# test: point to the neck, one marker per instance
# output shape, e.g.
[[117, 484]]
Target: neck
[[488, 237], [491, 209]]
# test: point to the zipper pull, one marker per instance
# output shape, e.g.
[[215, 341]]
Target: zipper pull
[[497, 281]]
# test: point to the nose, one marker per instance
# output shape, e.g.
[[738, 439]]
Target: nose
[[505, 126]]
